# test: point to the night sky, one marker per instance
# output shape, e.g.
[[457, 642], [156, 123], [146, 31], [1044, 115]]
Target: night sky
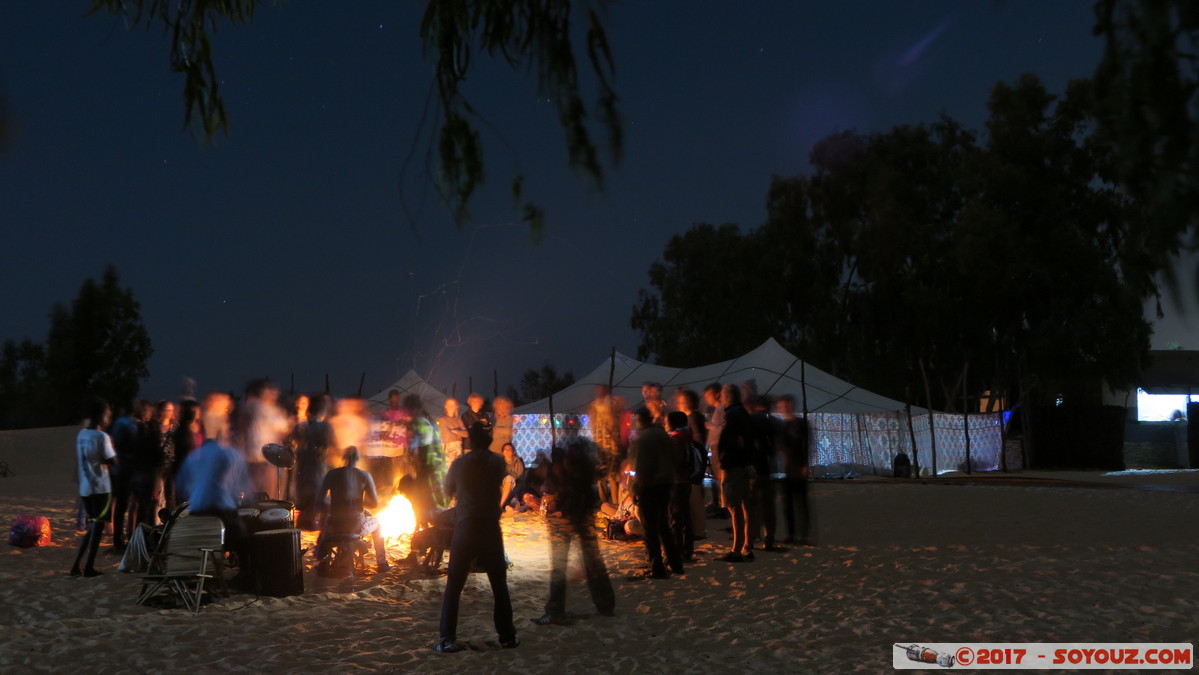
[[284, 249]]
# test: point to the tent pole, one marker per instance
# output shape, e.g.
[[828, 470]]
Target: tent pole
[[932, 428], [495, 390], [966, 414], [1002, 444], [361, 381], [611, 369], [863, 442], [912, 434], [803, 385], [553, 430]]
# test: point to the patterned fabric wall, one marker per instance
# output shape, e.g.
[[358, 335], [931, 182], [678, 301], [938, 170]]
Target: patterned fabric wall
[[865, 443]]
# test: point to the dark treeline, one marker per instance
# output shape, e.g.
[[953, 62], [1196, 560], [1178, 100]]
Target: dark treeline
[[96, 347], [931, 262], [538, 383]]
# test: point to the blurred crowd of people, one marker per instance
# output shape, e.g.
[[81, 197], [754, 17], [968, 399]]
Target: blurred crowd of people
[[646, 468], [753, 452]]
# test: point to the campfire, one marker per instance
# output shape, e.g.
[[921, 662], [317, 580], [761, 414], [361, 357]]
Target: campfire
[[397, 520]]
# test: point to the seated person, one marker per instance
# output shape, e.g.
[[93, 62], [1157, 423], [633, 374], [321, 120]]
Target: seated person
[[514, 479], [429, 545], [349, 489], [213, 478], [555, 486], [420, 495]]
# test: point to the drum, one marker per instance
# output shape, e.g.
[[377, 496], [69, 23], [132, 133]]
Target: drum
[[264, 504], [249, 519], [278, 563], [274, 519], [274, 522]]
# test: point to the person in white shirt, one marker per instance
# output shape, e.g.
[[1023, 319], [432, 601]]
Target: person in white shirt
[[94, 454]]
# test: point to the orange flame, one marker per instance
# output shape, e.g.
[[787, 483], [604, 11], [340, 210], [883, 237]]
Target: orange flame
[[398, 519]]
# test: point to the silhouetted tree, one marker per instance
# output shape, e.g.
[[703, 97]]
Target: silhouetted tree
[[98, 347], [22, 384], [1147, 105], [919, 253], [537, 384], [702, 288]]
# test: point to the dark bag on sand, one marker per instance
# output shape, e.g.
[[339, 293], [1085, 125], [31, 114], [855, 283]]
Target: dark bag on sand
[[29, 531], [902, 466]]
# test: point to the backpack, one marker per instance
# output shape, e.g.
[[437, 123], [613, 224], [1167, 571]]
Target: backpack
[[694, 463]]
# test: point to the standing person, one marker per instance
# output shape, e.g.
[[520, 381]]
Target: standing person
[[474, 413], [651, 392], [189, 435], [605, 416], [351, 429], [127, 433], [653, 483], [165, 429], [474, 480], [310, 460], [262, 421], [390, 458], [657, 411], [735, 464], [794, 444], [453, 433], [680, 500], [157, 442], [763, 512], [578, 499], [214, 479], [713, 394], [427, 458], [651, 400], [301, 411], [501, 424], [687, 402], [93, 455]]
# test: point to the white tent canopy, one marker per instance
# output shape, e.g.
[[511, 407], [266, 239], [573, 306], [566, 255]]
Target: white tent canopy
[[774, 370], [411, 383]]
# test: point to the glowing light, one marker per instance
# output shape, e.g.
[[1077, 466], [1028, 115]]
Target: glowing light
[[398, 519]]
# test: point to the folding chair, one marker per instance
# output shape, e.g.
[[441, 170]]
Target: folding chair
[[188, 555]]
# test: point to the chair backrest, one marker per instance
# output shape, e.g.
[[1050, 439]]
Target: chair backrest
[[189, 534]]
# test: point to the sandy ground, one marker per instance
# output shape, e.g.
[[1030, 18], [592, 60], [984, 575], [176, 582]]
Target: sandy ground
[[1030, 557]]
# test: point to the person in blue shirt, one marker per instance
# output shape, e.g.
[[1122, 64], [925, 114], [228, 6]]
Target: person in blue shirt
[[213, 478]]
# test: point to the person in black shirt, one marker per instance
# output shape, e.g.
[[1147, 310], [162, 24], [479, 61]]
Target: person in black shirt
[[794, 442], [475, 481], [735, 463], [763, 511], [474, 413]]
